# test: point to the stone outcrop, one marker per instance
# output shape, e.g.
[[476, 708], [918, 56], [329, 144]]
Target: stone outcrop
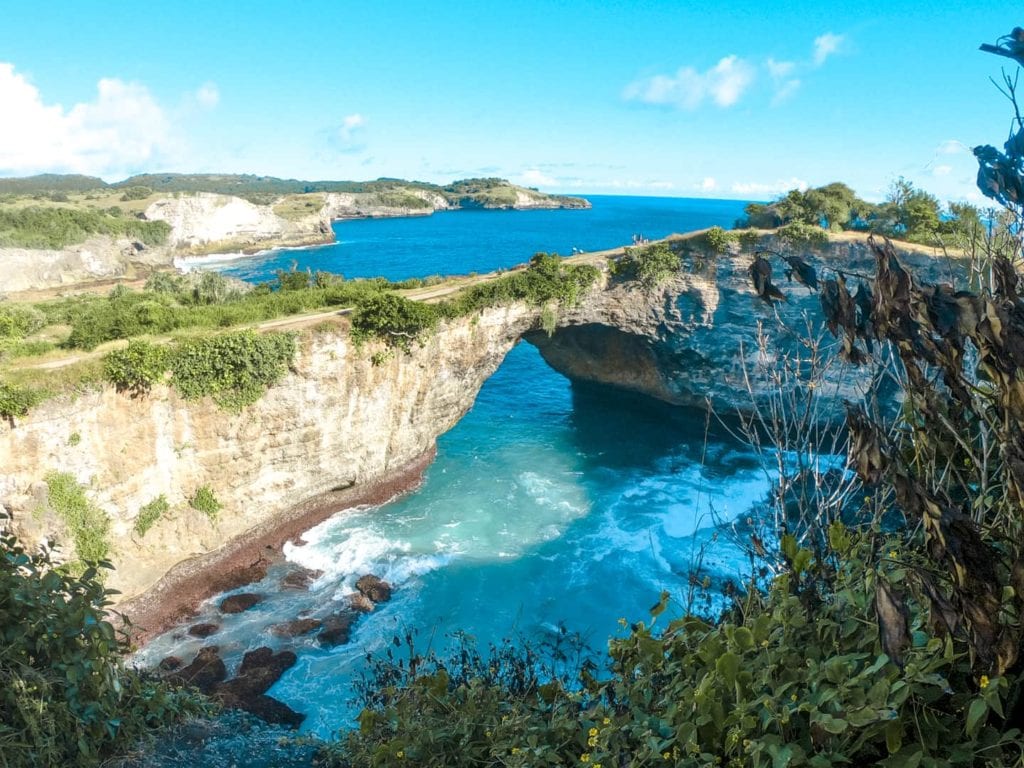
[[694, 338], [336, 432]]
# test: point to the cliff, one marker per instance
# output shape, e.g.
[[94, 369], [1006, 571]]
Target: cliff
[[230, 214], [695, 337], [327, 436]]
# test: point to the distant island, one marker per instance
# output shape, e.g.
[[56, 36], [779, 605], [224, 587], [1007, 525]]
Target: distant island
[[67, 229]]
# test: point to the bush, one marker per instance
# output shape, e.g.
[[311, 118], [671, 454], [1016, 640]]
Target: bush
[[46, 227], [796, 677], [88, 525], [151, 512], [719, 240], [136, 193], [650, 266], [65, 695], [136, 368], [235, 369], [397, 321], [800, 235], [16, 401], [204, 501]]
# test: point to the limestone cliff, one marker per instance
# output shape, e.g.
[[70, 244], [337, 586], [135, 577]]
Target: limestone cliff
[[336, 425], [694, 337]]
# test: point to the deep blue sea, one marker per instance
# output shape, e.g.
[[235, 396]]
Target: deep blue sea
[[549, 504]]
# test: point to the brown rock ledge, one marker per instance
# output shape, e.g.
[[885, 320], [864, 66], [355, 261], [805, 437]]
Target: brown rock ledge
[[245, 559]]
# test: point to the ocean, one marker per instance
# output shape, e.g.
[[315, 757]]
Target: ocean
[[551, 508]]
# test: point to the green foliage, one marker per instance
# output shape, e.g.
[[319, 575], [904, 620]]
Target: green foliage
[[795, 677], [799, 235], [235, 369], [719, 239], [74, 439], [136, 368], [88, 525], [651, 265], [18, 321], [65, 695], [204, 501], [52, 227], [136, 193], [394, 319], [152, 511], [15, 401], [748, 239], [292, 280]]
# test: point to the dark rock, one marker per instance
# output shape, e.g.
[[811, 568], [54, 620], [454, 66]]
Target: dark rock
[[296, 628], [240, 602], [375, 588], [260, 669], [204, 672], [337, 629], [360, 603], [169, 664], [264, 707], [203, 630], [300, 578]]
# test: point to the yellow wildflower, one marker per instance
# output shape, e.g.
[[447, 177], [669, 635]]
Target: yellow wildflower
[[585, 757], [400, 754], [592, 732], [515, 750], [606, 721], [666, 755], [983, 682], [792, 697]]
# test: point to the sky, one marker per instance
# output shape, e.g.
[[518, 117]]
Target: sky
[[711, 99]]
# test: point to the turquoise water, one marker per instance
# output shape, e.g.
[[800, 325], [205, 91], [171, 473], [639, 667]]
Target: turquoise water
[[548, 504]]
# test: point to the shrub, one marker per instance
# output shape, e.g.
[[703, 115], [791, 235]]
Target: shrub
[[17, 322], [650, 266], [800, 235], [50, 227], [719, 240], [136, 368], [151, 512], [397, 321], [136, 193], [204, 501], [16, 401], [65, 696], [235, 369], [748, 239], [88, 525], [795, 677]]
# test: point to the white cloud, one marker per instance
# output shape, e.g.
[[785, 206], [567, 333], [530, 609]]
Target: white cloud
[[723, 84], [942, 170], [772, 188], [951, 147], [348, 137], [826, 45], [783, 82], [779, 70], [208, 95], [122, 131], [708, 184], [536, 178]]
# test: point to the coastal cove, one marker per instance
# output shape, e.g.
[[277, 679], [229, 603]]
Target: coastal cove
[[539, 500]]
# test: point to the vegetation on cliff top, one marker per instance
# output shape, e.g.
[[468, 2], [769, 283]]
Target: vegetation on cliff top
[[57, 227]]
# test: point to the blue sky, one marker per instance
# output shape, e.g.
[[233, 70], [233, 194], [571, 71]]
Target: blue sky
[[737, 99]]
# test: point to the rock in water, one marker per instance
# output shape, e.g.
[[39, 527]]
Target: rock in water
[[203, 630], [240, 602], [296, 627], [300, 578], [204, 672], [337, 629], [375, 588]]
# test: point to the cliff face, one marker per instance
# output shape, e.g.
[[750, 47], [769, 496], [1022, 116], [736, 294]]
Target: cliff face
[[335, 425], [205, 220], [695, 337]]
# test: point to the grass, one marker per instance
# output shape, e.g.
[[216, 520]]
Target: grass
[[204, 501], [88, 524], [298, 207], [151, 512]]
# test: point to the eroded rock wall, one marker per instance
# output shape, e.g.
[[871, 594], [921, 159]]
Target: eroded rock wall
[[338, 423]]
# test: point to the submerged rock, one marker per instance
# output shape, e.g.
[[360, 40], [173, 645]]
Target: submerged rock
[[300, 578], [240, 602], [203, 630], [337, 629], [260, 669], [169, 664], [296, 627], [374, 588]]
